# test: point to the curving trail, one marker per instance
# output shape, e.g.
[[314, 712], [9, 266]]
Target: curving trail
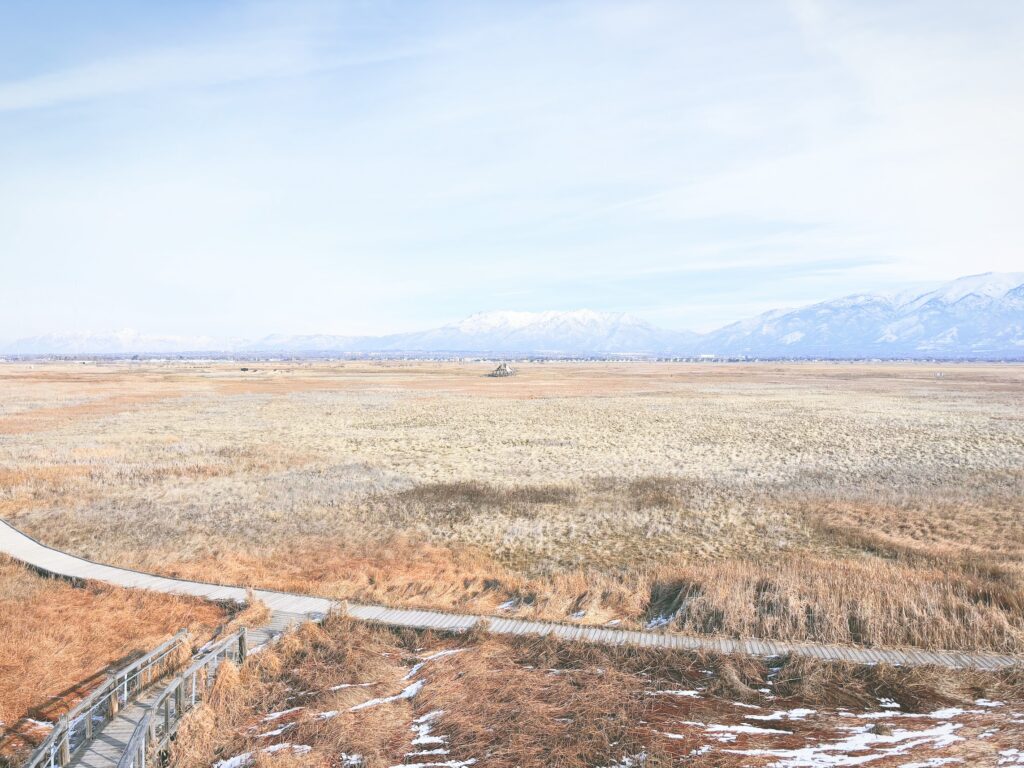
[[287, 608]]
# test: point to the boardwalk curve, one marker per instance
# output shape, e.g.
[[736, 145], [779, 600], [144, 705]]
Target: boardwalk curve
[[287, 608]]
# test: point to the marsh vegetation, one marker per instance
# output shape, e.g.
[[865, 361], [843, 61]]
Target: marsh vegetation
[[872, 504]]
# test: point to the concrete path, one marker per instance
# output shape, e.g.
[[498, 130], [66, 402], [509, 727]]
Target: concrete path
[[288, 608]]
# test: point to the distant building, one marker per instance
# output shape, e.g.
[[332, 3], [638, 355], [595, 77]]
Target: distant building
[[503, 370]]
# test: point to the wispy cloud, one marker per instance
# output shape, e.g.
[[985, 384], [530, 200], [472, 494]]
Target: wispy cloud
[[373, 167]]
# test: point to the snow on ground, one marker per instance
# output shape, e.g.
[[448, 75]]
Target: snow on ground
[[407, 693], [247, 758], [702, 725], [277, 715], [843, 751], [431, 746], [439, 655], [693, 722], [633, 761], [351, 685]]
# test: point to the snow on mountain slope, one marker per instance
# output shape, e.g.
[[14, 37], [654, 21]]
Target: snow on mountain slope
[[123, 342], [575, 332], [992, 285], [975, 316]]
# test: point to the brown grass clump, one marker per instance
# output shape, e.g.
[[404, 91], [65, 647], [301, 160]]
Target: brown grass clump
[[227, 696], [522, 701], [841, 601], [870, 504], [196, 739], [57, 641], [524, 716], [255, 613]]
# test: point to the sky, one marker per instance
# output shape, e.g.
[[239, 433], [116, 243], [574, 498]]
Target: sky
[[243, 168]]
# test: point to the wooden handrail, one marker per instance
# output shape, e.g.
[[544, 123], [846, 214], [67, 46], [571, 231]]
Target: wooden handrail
[[155, 730], [62, 743]]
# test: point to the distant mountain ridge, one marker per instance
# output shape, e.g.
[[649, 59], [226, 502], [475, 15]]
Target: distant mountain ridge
[[975, 316], [979, 316]]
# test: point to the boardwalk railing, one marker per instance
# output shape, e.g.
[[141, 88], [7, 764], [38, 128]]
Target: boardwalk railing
[[75, 729], [160, 722]]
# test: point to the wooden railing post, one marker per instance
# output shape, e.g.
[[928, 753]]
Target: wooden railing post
[[65, 740], [241, 645]]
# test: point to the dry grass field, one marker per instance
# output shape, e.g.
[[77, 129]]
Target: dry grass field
[[875, 504], [57, 641], [362, 697]]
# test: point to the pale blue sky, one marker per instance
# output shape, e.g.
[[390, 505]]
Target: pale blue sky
[[246, 168]]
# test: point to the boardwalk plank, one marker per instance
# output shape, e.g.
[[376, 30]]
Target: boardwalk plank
[[288, 609]]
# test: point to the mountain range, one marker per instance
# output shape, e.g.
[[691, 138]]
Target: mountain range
[[980, 316]]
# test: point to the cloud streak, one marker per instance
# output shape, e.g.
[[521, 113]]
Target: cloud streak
[[369, 168]]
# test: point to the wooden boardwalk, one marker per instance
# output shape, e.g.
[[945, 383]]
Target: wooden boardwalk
[[287, 608]]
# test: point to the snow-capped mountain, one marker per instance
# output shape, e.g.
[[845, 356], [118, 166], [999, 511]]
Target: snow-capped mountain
[[319, 342], [975, 316], [575, 332], [123, 342], [980, 316]]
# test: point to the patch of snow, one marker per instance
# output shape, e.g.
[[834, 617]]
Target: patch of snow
[[633, 761], [1011, 757], [351, 685], [440, 654], [351, 761], [276, 715], [277, 731], [660, 621], [298, 749], [421, 727], [784, 714], [932, 762], [327, 715], [989, 703], [718, 728], [939, 714], [838, 753], [235, 762], [246, 758], [408, 693], [691, 694]]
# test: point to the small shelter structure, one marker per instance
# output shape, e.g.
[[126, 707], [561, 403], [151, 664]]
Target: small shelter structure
[[503, 370]]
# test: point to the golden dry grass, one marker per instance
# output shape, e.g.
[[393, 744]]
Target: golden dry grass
[[57, 641], [876, 504], [509, 702]]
